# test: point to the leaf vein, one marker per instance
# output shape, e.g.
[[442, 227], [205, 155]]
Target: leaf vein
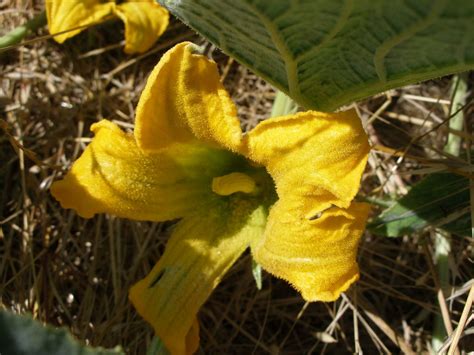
[[286, 54], [386, 46], [341, 21]]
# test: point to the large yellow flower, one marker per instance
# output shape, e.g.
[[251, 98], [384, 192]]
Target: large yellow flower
[[144, 20], [285, 189]]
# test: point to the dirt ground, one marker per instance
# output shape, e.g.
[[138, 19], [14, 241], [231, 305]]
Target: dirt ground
[[73, 272]]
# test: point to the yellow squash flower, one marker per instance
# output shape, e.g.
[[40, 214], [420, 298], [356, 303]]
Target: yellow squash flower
[[144, 20], [284, 189]]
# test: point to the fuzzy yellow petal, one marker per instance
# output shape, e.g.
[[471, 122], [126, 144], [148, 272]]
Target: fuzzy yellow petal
[[313, 231], [184, 100], [200, 251], [144, 21], [316, 156], [64, 15], [114, 176], [318, 257]]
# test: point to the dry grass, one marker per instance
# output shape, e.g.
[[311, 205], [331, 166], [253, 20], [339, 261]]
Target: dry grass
[[69, 271]]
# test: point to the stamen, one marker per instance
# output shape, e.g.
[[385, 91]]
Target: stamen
[[235, 182]]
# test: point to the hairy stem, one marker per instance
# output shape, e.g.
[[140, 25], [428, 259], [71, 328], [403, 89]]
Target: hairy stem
[[442, 326]]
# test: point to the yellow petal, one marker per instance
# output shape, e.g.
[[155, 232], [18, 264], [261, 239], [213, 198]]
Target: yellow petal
[[200, 251], [313, 231], [183, 100], [114, 176], [192, 338], [318, 157], [144, 21], [318, 257], [67, 14]]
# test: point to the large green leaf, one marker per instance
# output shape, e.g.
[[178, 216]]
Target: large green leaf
[[440, 200], [21, 335], [327, 53]]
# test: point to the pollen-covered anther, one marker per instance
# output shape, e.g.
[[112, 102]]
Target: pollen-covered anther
[[231, 183]]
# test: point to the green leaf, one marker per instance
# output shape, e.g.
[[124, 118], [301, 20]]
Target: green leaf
[[257, 274], [439, 200], [21, 335], [327, 53], [157, 347], [16, 35]]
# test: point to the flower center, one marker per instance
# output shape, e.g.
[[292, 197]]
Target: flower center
[[231, 183]]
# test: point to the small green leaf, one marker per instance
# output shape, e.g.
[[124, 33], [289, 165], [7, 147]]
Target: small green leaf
[[439, 200], [328, 53], [16, 35], [157, 347], [257, 274], [21, 335]]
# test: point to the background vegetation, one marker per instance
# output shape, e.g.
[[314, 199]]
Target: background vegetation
[[72, 272]]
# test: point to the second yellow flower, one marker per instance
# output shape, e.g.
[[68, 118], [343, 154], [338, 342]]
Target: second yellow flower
[[144, 20]]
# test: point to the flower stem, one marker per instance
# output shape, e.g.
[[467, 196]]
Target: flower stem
[[458, 94], [443, 327], [283, 105], [16, 35]]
